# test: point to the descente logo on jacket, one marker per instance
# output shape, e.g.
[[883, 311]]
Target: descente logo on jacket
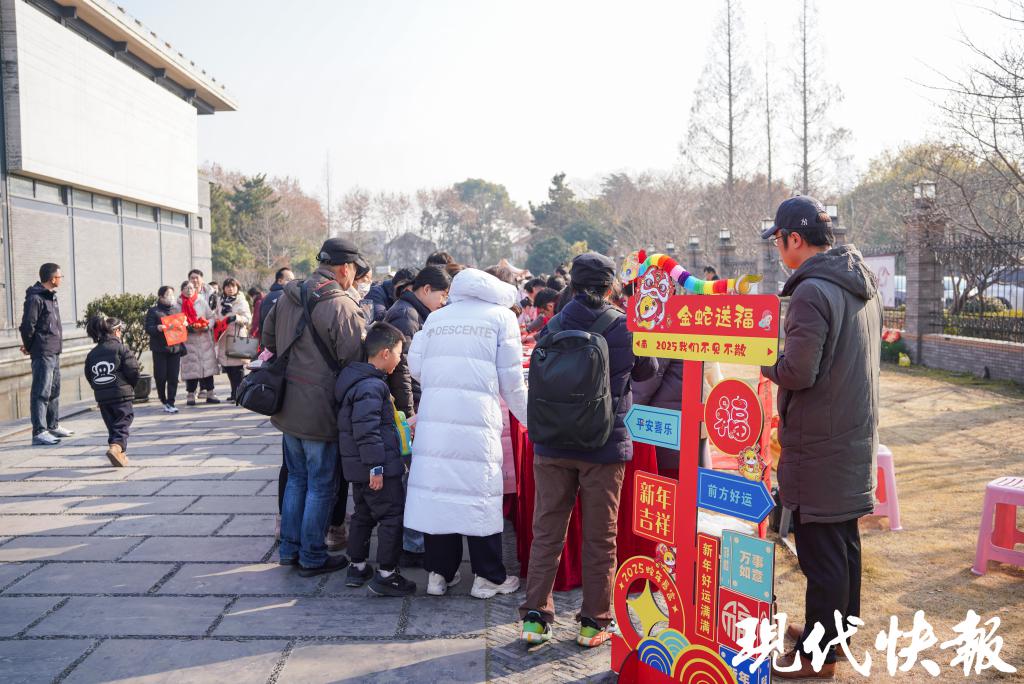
[[477, 330]]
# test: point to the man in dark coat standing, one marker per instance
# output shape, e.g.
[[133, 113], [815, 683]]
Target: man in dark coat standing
[[42, 338], [828, 410], [281, 278]]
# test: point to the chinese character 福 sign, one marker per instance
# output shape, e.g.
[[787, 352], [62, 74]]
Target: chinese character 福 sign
[[733, 416]]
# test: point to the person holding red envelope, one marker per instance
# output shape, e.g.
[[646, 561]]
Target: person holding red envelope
[[200, 362], [165, 325]]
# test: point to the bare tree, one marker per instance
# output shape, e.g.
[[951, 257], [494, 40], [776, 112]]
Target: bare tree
[[328, 206], [355, 210], [769, 111], [820, 144], [394, 213], [716, 144]]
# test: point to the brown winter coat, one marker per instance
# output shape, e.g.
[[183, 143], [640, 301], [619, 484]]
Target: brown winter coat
[[308, 411], [828, 388]]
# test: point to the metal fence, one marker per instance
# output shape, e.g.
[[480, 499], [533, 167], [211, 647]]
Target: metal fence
[[983, 286]]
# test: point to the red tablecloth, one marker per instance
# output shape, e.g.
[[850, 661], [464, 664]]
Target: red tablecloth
[[570, 567]]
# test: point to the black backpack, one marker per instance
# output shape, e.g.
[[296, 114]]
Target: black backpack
[[570, 405], [262, 390]]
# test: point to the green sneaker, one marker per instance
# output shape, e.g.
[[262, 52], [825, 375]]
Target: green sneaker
[[592, 635], [535, 630]]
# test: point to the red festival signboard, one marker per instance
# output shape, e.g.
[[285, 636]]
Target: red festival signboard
[[654, 502], [701, 615]]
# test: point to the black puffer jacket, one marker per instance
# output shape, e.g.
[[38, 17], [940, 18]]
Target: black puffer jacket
[[367, 435], [157, 341], [276, 290], [408, 315], [623, 366], [382, 295], [828, 388], [112, 371], [41, 331]]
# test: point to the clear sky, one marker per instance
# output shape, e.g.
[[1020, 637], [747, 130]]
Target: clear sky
[[406, 94]]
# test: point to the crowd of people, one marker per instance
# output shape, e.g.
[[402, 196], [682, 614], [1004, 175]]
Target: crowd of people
[[440, 349]]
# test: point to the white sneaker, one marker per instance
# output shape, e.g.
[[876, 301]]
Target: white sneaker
[[436, 585], [485, 589], [169, 409], [44, 438], [60, 432]]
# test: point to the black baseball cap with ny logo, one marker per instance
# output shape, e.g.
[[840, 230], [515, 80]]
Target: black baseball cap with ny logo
[[800, 213]]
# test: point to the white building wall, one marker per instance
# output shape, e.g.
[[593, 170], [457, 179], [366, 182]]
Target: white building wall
[[88, 120]]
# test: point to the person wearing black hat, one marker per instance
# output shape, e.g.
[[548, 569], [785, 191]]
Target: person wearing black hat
[[596, 474], [307, 417], [828, 406]]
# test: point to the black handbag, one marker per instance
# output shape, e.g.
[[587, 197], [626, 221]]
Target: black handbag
[[262, 391]]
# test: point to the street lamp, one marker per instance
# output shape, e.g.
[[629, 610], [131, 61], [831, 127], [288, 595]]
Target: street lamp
[[694, 242], [670, 248], [833, 212], [724, 235], [767, 223], [924, 190]]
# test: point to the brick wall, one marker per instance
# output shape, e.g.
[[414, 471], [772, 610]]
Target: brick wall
[[984, 358], [97, 260], [142, 259]]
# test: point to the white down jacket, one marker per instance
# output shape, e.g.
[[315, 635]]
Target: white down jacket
[[467, 354]]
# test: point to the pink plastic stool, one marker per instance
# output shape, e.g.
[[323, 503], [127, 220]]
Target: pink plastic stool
[[997, 539], [887, 500]]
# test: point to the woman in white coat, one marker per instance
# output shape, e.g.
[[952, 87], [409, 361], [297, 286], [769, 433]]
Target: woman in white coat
[[235, 315], [467, 355]]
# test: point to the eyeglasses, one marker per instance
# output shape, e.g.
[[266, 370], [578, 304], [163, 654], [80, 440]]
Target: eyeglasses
[[780, 234]]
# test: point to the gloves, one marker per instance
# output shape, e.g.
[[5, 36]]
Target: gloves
[[231, 318]]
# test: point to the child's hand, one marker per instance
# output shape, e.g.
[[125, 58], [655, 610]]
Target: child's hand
[[376, 482], [161, 327]]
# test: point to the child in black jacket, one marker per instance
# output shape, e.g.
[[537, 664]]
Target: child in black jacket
[[371, 459], [112, 371]]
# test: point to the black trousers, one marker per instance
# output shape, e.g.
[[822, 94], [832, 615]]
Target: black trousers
[[443, 555], [202, 383], [829, 556], [340, 504], [384, 509], [165, 371], [118, 418], [235, 374]]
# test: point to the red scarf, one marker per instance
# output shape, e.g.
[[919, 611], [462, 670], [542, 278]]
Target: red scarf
[[189, 309]]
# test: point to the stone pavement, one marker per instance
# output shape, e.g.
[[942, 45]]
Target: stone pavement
[[166, 571]]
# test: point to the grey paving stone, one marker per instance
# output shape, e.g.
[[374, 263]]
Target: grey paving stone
[[12, 571], [135, 505], [311, 617], [441, 616], [170, 525], [222, 549], [17, 613], [438, 660], [234, 504], [91, 578], [33, 504], [207, 661], [96, 459], [119, 488], [264, 473], [131, 616], [66, 548], [250, 460], [248, 525], [213, 488], [16, 474], [221, 449], [107, 473], [181, 473], [22, 488], [30, 661], [51, 524], [240, 579]]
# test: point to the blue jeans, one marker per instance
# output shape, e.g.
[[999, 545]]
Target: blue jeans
[[313, 471], [45, 397]]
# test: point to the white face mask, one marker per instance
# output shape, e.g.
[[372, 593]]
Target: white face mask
[[363, 289]]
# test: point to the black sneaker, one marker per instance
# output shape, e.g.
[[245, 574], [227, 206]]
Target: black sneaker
[[288, 561], [395, 585], [357, 577], [210, 399], [333, 563]]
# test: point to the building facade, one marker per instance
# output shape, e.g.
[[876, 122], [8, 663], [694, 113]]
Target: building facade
[[100, 155]]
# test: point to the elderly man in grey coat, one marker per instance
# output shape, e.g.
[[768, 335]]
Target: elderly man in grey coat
[[828, 410]]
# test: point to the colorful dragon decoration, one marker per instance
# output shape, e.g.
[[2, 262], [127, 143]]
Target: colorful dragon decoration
[[638, 263]]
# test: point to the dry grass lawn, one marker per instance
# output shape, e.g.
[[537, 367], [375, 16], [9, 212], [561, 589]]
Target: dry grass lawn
[[949, 437]]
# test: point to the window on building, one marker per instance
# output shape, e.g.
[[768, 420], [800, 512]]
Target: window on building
[[21, 187], [49, 192], [199, 222], [179, 219], [81, 199], [129, 209], [103, 203], [147, 213]]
